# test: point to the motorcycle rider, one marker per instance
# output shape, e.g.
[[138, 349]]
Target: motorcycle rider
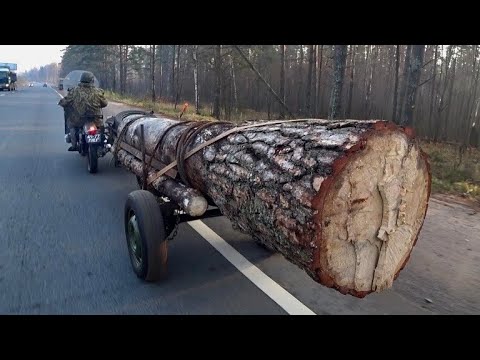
[[82, 100]]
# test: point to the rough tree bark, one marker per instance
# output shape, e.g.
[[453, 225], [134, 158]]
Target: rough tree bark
[[343, 200], [340, 56]]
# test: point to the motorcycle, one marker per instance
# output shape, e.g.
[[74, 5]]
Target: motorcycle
[[93, 142]]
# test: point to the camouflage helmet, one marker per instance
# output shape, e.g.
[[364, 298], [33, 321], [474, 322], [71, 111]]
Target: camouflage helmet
[[87, 77]]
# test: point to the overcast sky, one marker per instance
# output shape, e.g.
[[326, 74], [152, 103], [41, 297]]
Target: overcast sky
[[29, 56]]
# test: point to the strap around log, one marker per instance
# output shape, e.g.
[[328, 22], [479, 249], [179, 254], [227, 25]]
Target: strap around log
[[156, 176]]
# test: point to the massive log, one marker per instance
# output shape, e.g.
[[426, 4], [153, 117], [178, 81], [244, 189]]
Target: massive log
[[343, 200]]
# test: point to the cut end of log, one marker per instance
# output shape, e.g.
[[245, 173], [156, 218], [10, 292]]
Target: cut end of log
[[196, 206], [370, 212]]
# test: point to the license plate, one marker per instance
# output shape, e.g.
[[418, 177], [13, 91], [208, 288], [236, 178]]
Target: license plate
[[93, 138]]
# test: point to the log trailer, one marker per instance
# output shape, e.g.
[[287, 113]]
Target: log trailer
[[343, 200]]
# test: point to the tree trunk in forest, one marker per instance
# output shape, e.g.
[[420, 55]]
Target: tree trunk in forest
[[433, 95], [352, 74], [315, 85], [340, 57], [403, 88], [152, 49], [195, 78], [120, 51], [319, 82], [298, 188], [300, 98], [282, 79], [218, 81], [308, 95], [172, 78], [412, 85]]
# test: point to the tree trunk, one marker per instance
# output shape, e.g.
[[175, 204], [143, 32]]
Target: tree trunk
[[412, 85], [309, 81], [340, 57], [172, 86], [474, 108], [178, 71], [395, 91], [125, 69], [352, 74], [153, 71], [195, 78], [469, 108], [448, 105], [120, 50], [440, 130], [433, 95], [368, 97], [403, 88], [298, 188], [300, 99], [282, 79], [234, 84], [319, 82], [218, 81], [315, 85]]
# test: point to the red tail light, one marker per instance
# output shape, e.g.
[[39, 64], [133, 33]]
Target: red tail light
[[92, 130]]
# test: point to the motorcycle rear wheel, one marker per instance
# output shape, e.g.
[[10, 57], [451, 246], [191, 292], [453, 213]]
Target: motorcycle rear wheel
[[92, 160]]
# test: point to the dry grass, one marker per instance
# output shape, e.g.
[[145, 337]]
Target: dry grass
[[449, 174], [168, 109], [452, 172]]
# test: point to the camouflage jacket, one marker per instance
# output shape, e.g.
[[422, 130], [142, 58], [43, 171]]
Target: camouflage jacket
[[83, 99]]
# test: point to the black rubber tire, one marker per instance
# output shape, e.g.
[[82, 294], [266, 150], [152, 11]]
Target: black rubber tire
[[92, 159], [152, 232]]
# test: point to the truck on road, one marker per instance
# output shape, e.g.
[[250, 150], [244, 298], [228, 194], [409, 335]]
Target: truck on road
[[8, 76]]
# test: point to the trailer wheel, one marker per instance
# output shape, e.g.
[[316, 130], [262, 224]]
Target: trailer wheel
[[145, 234]]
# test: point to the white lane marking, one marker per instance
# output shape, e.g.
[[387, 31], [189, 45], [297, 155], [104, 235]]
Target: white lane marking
[[277, 293], [61, 96]]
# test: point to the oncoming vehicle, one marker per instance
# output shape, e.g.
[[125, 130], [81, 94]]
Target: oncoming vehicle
[[45, 85], [8, 77]]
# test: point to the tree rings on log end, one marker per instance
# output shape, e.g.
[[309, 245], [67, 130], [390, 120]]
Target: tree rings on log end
[[370, 212]]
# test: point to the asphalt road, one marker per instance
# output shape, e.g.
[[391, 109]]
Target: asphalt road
[[63, 249]]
